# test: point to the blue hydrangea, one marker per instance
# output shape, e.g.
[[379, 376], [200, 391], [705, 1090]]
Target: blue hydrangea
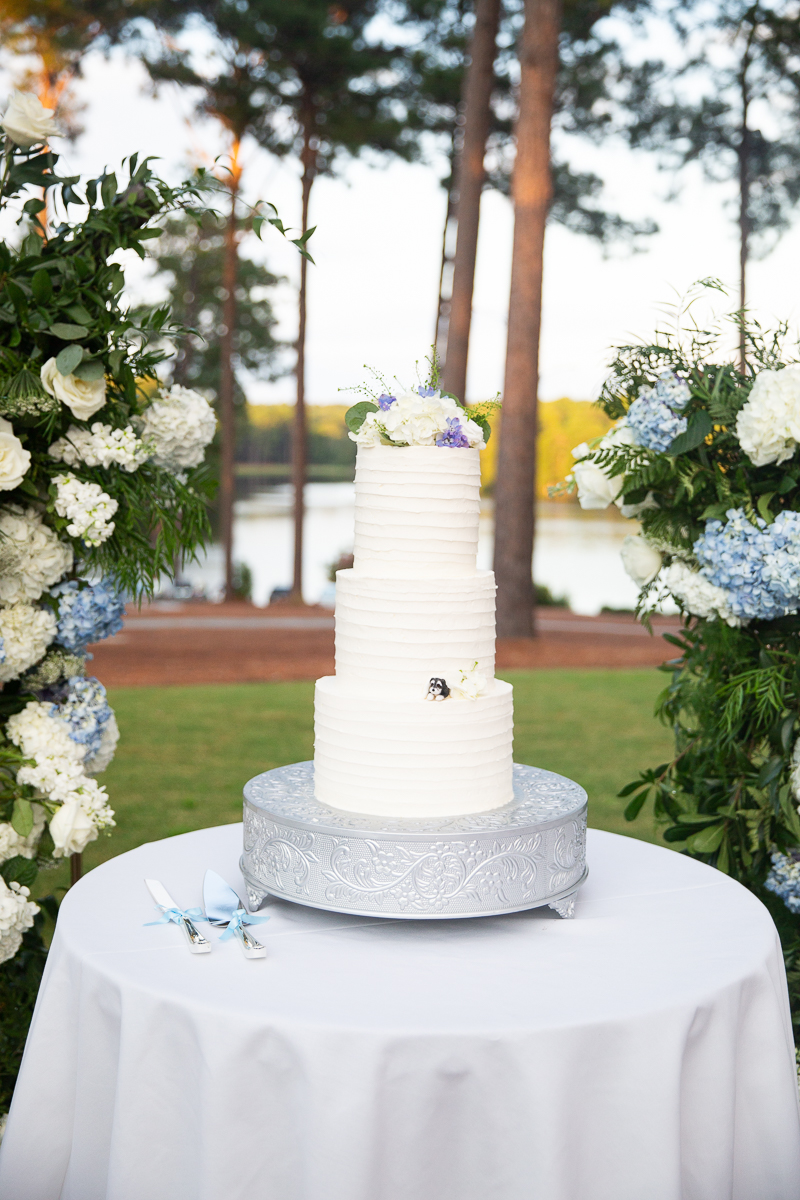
[[757, 565], [453, 434], [654, 415], [385, 402], [87, 614], [784, 879], [86, 712]]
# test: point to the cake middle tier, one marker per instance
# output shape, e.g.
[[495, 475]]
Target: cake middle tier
[[393, 635], [376, 753]]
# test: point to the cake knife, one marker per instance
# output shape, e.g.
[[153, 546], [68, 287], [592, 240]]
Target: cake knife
[[222, 906], [197, 943]]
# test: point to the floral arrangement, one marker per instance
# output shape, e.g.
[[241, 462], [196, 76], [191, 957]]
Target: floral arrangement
[[419, 416], [707, 458], [101, 485]]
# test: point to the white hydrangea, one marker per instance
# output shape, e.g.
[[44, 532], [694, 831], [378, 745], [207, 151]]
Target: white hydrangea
[[36, 732], [177, 428], [87, 507], [697, 595], [16, 915], [108, 745], [794, 778], [596, 489], [32, 557], [768, 427], [11, 844], [414, 419], [26, 633], [101, 446]]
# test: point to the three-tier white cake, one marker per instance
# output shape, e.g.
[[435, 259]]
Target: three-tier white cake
[[412, 608]]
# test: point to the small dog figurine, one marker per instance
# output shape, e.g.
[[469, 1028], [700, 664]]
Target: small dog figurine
[[437, 689]]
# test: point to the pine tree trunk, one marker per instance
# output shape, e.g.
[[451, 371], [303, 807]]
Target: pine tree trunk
[[531, 193], [744, 219], [299, 435], [226, 385], [470, 175], [443, 303]]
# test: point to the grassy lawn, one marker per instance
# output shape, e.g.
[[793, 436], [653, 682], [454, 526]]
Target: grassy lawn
[[185, 752]]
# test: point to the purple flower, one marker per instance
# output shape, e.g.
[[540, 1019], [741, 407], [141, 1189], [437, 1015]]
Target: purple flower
[[385, 402], [426, 391], [453, 435]]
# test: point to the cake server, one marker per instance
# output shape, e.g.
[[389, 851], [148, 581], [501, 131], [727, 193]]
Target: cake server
[[223, 907], [197, 943]]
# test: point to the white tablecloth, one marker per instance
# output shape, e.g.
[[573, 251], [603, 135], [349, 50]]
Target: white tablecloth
[[640, 1052]]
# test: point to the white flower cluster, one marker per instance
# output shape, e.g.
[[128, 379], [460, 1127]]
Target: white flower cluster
[[698, 595], [31, 556], [768, 426], [59, 777], [87, 508], [11, 844], [420, 418], [100, 447], [176, 429], [596, 489], [14, 458], [26, 633], [16, 915], [472, 683]]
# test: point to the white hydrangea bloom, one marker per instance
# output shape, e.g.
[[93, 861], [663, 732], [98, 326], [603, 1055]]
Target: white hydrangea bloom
[[87, 507], [32, 557], [26, 632], [101, 446], [108, 745], [36, 732], [11, 844], [794, 778], [698, 595], [420, 418], [177, 428], [16, 915], [768, 426]]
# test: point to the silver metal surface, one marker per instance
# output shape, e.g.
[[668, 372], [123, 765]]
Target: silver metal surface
[[527, 854], [197, 943], [220, 903]]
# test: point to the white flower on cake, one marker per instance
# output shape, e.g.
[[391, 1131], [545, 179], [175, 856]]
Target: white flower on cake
[[26, 632], [419, 418], [768, 426], [640, 559], [83, 397], [27, 122], [16, 915], [101, 447], [698, 595], [177, 428], [596, 489], [471, 683], [32, 557], [14, 458], [87, 508]]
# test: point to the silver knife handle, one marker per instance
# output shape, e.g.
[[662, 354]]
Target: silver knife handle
[[197, 943], [251, 948]]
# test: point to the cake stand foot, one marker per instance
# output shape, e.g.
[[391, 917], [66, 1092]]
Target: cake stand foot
[[255, 898], [565, 907]]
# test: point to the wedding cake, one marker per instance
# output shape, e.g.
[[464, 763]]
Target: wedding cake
[[414, 724]]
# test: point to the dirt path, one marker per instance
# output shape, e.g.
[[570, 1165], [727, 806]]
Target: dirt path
[[234, 643]]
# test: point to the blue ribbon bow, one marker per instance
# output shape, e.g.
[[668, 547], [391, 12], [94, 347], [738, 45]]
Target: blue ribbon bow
[[177, 915], [240, 918]]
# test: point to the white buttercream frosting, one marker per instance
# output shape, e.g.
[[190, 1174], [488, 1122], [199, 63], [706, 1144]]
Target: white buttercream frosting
[[411, 758]]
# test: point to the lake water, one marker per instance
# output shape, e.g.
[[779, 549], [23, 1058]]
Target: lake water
[[577, 553]]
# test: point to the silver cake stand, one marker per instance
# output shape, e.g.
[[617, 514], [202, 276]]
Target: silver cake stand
[[527, 854]]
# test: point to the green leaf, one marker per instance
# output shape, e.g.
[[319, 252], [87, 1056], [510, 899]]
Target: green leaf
[[763, 507], [355, 417], [34, 207], [41, 286], [68, 359], [19, 870], [707, 840], [79, 314], [22, 817], [698, 429], [484, 425], [636, 805], [90, 370], [67, 333]]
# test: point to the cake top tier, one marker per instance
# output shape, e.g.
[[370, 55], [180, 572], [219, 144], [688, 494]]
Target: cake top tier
[[417, 511]]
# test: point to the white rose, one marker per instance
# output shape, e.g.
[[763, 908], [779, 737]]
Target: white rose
[[596, 489], [82, 398], [27, 122], [71, 829], [640, 559], [14, 458]]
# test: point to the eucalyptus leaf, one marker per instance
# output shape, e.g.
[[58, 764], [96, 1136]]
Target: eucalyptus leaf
[[67, 333], [41, 286], [79, 314], [90, 370], [355, 417], [68, 358]]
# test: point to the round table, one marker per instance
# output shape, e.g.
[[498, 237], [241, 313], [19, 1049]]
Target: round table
[[641, 1051]]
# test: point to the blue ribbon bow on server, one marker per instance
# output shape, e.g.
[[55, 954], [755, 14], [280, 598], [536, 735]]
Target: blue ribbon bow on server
[[177, 915], [239, 918]]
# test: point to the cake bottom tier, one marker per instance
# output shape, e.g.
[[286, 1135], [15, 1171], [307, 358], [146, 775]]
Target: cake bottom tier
[[412, 758]]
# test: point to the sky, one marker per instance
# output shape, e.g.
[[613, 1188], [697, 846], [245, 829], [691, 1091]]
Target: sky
[[373, 290]]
